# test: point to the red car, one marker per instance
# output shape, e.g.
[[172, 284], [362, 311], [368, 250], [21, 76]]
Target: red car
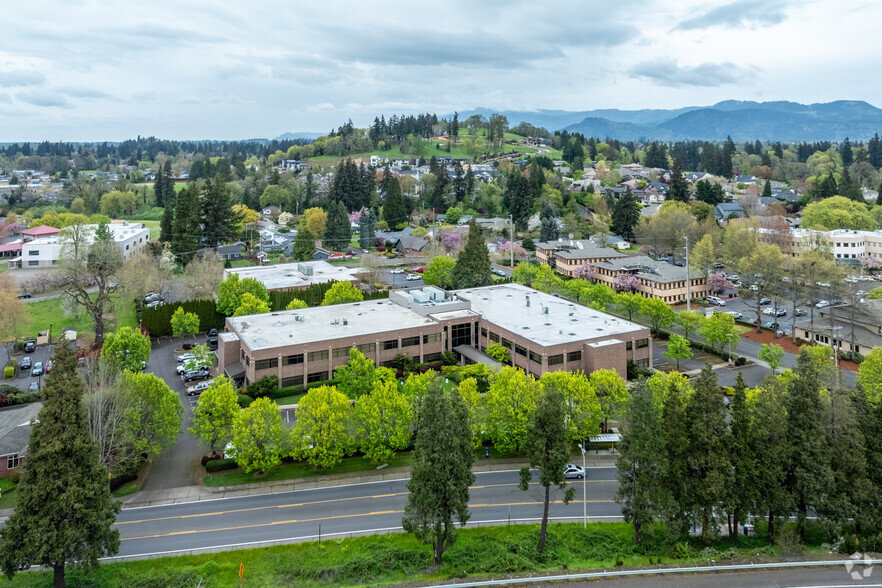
[[419, 270]]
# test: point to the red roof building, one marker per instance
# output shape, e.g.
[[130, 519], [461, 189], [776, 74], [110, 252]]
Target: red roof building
[[40, 231]]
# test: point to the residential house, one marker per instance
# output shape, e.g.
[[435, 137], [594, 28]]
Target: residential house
[[15, 434], [727, 210]]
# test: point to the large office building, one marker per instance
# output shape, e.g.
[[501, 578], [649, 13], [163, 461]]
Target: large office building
[[42, 245], [543, 333], [656, 279]]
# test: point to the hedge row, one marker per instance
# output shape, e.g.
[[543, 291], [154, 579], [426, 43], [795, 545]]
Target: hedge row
[[217, 465], [157, 320], [311, 295]]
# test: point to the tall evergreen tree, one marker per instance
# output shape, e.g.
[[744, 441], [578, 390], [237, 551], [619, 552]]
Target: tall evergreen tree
[[64, 510], [439, 483], [186, 228], [367, 228], [641, 459], [521, 200], [304, 245], [726, 158], [473, 264], [548, 227], [470, 182], [625, 216], [158, 188], [846, 153], [679, 190], [338, 230], [809, 476], [548, 449], [394, 207], [218, 219], [166, 224], [770, 447], [744, 466], [767, 191], [674, 501], [850, 187], [168, 184], [707, 439]]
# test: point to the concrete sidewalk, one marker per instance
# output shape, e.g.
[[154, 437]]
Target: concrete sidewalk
[[197, 493]]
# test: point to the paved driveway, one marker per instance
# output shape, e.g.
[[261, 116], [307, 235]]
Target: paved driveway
[[23, 378]]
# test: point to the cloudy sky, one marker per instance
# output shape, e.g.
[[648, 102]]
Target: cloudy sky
[[113, 69]]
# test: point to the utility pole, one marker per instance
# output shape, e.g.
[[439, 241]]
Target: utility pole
[[688, 278], [512, 237], [584, 489]]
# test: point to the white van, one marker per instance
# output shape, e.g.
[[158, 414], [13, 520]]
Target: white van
[[716, 300]]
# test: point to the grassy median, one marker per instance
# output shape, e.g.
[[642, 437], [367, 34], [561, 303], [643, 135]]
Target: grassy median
[[396, 558]]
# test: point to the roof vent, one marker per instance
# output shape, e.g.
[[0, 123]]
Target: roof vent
[[547, 324], [572, 334]]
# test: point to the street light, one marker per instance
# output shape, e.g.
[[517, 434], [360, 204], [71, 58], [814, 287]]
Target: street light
[[584, 488], [688, 284]]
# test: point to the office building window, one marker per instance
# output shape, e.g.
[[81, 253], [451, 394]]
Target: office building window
[[390, 344], [574, 356], [34, 262], [629, 345], [317, 355], [555, 359], [520, 350], [316, 377], [33, 252], [292, 359], [433, 338], [461, 335], [340, 352], [292, 381], [265, 364], [483, 332], [535, 357], [506, 343], [643, 363], [410, 341], [430, 357], [642, 343], [493, 337], [367, 347]]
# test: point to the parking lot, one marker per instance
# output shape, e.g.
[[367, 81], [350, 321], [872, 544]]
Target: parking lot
[[399, 280], [23, 378]]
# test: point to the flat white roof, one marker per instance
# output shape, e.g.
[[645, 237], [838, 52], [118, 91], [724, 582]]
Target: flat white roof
[[288, 275], [325, 323], [565, 322]]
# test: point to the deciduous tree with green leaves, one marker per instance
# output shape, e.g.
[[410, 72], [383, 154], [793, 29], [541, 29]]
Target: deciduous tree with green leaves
[[383, 419], [321, 435], [612, 393], [499, 353], [342, 292], [583, 407], [438, 494], [719, 328], [689, 321], [771, 354], [64, 511], [156, 415], [659, 314], [678, 348], [548, 448], [215, 413], [629, 303], [230, 292], [184, 323], [127, 348], [359, 376], [258, 436], [510, 400], [439, 272], [296, 304], [468, 389], [250, 304], [870, 376]]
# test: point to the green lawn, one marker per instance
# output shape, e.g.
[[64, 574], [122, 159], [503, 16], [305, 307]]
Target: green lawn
[[153, 226], [126, 489], [457, 152], [3, 267], [7, 488], [46, 312], [399, 559], [291, 471], [293, 399]]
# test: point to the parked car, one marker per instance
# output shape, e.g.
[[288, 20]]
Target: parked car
[[212, 344], [198, 388], [193, 375], [716, 300], [412, 277], [498, 272], [185, 357], [822, 284], [25, 363], [181, 370], [396, 270], [768, 310], [781, 312], [799, 312], [151, 297], [154, 304], [34, 387], [736, 315], [211, 333], [765, 301], [419, 270], [572, 471], [24, 295], [37, 370], [30, 345], [861, 293], [771, 325], [823, 304]]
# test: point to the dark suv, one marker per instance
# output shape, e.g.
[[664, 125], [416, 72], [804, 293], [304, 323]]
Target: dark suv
[[30, 345], [200, 374]]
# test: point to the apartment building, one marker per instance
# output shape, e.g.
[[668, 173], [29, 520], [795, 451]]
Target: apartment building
[[543, 332], [295, 276], [43, 251], [845, 244], [658, 279]]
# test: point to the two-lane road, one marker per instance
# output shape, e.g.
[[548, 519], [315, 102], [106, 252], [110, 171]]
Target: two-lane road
[[341, 510]]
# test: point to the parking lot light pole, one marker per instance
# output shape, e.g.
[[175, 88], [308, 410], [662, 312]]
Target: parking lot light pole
[[688, 284], [584, 489]]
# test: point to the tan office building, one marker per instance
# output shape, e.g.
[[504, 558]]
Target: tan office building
[[658, 279], [543, 332]]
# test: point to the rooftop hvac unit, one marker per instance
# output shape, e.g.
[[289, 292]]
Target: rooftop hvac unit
[[305, 269]]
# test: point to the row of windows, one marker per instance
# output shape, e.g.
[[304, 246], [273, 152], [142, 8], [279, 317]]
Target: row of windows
[[292, 381], [639, 344]]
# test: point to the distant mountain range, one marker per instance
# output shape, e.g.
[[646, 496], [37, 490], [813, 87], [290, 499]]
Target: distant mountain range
[[294, 136], [742, 120]]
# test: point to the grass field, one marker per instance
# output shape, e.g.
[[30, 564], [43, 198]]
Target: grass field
[[293, 399], [46, 312], [153, 226], [457, 151], [398, 558], [7, 488]]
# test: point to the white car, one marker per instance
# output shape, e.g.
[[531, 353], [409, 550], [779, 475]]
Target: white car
[[180, 369], [397, 270], [716, 300], [572, 471], [823, 304], [413, 277], [735, 314], [822, 284], [185, 357], [769, 310], [198, 388]]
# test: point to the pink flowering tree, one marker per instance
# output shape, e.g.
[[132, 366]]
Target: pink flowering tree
[[506, 248], [870, 263], [585, 271], [355, 217], [14, 228], [717, 282], [625, 282], [451, 240]]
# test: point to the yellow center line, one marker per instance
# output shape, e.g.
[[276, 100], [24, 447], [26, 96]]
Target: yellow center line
[[333, 517], [296, 504]]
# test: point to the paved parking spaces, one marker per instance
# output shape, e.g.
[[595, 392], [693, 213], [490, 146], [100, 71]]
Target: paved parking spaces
[[23, 378]]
